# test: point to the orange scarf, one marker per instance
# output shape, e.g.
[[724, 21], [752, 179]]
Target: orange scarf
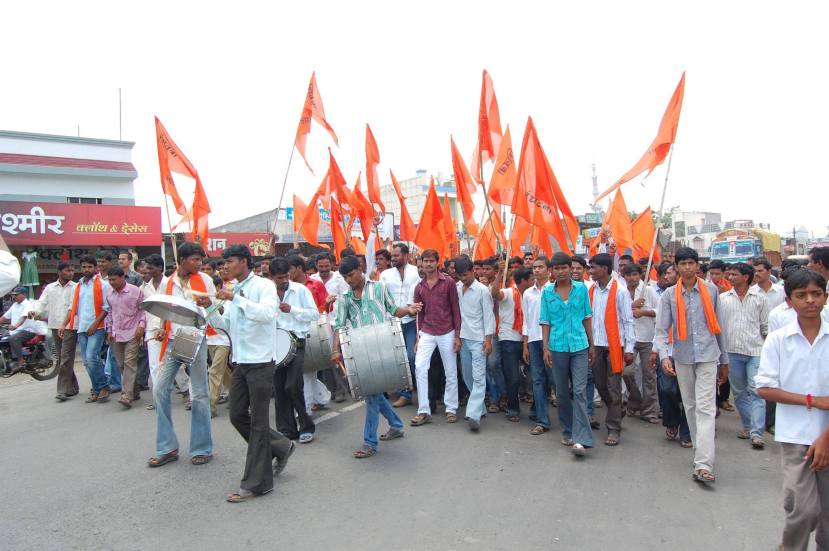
[[197, 284], [707, 306], [517, 310], [724, 285], [97, 300], [611, 327]]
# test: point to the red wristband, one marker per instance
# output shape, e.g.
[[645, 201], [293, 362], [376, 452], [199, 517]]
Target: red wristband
[[808, 401]]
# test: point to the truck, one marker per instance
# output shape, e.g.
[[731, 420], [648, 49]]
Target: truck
[[739, 245]]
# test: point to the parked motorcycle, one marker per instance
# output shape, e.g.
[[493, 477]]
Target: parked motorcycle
[[35, 359]]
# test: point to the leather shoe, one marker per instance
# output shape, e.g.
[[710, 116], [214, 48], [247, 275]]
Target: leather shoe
[[401, 402], [103, 396]]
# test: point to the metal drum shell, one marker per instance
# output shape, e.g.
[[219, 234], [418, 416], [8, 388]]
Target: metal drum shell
[[185, 344], [375, 358], [285, 348], [318, 346]]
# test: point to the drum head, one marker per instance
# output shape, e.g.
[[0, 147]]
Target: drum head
[[174, 309], [284, 345]]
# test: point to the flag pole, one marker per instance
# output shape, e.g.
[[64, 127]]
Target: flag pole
[[486, 204], [170, 225], [655, 229], [271, 244]]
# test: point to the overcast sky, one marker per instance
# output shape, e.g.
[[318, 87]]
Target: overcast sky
[[228, 81]]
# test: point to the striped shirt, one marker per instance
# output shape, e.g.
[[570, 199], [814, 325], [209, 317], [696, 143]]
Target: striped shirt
[[747, 320], [373, 307]]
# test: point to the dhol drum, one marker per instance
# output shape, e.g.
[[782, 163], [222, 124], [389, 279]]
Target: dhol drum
[[285, 348], [186, 343], [318, 346], [375, 358]]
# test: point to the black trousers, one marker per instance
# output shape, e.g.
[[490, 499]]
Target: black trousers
[[16, 342], [289, 397], [250, 395]]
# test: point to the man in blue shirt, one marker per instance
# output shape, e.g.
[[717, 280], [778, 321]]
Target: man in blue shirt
[[568, 336]]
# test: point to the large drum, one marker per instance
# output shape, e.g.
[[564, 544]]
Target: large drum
[[375, 358], [318, 346]]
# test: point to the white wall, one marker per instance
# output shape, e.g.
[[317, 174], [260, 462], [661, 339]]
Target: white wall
[[55, 185], [60, 148]]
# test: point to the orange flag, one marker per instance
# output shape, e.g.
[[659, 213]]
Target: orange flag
[[489, 128], [643, 232], [309, 228], [540, 238], [358, 245], [337, 232], [465, 187], [372, 160], [661, 145], [312, 109], [300, 210], [408, 231], [172, 159], [452, 250], [538, 198], [520, 231], [200, 210], [502, 185], [430, 230], [361, 208], [617, 222]]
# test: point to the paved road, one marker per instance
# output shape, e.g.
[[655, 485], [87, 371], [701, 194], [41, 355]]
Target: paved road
[[74, 477]]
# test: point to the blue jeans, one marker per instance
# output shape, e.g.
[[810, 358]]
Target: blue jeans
[[673, 415], [510, 358], [91, 354], [375, 405], [409, 337], [542, 379], [591, 392], [752, 408], [201, 440], [473, 365], [494, 376], [112, 371], [572, 414]]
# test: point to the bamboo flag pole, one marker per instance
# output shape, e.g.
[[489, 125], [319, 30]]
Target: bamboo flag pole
[[655, 229], [271, 244], [170, 225], [486, 204]]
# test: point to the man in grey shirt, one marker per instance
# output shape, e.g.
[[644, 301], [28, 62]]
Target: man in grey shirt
[[698, 348]]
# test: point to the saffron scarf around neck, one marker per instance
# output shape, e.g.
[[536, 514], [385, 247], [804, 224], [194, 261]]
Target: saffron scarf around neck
[[611, 327], [97, 300], [517, 310], [707, 307], [197, 284]]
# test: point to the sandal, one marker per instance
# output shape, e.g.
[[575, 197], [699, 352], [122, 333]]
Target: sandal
[[392, 434], [703, 475], [200, 459], [364, 452], [538, 429], [567, 442], [306, 438], [451, 418], [671, 433], [420, 419], [188, 405], [241, 496], [513, 418], [492, 408], [611, 440], [163, 460], [687, 444]]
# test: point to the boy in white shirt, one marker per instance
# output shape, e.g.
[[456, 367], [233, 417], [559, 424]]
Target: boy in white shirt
[[794, 372]]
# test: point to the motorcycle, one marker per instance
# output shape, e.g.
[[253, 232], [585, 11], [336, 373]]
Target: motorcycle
[[35, 359]]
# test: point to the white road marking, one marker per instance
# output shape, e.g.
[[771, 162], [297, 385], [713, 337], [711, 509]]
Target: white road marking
[[333, 414]]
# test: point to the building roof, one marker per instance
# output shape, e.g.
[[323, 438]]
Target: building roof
[[67, 139]]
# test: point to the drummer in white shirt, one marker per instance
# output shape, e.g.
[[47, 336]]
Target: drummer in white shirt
[[249, 316], [295, 313]]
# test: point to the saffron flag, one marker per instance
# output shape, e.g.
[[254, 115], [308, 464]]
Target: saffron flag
[[408, 231], [502, 185], [300, 210], [361, 209], [538, 198], [489, 127], [452, 250], [312, 109], [520, 231], [199, 212], [660, 146], [430, 231], [372, 160], [172, 159], [643, 232], [465, 187], [617, 222]]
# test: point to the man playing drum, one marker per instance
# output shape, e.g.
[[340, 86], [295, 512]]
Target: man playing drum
[[368, 303]]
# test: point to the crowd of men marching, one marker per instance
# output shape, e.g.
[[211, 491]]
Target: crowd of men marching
[[671, 349]]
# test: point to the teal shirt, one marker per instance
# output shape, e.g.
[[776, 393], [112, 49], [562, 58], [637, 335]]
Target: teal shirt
[[567, 332]]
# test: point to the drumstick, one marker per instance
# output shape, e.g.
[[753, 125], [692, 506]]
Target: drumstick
[[201, 293]]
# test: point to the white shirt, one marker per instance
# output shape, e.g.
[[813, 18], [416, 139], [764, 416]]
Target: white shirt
[[303, 310], [9, 272], [531, 303], [249, 319], [186, 293], [747, 320], [644, 327], [624, 312], [401, 289], [506, 314], [55, 301], [19, 311], [790, 363], [477, 311], [774, 296], [153, 323], [783, 314]]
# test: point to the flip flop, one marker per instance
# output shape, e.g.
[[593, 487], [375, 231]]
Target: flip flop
[[201, 459], [703, 475], [364, 452], [611, 440]]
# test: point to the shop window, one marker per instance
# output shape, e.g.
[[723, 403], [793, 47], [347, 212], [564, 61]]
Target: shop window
[[84, 200]]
